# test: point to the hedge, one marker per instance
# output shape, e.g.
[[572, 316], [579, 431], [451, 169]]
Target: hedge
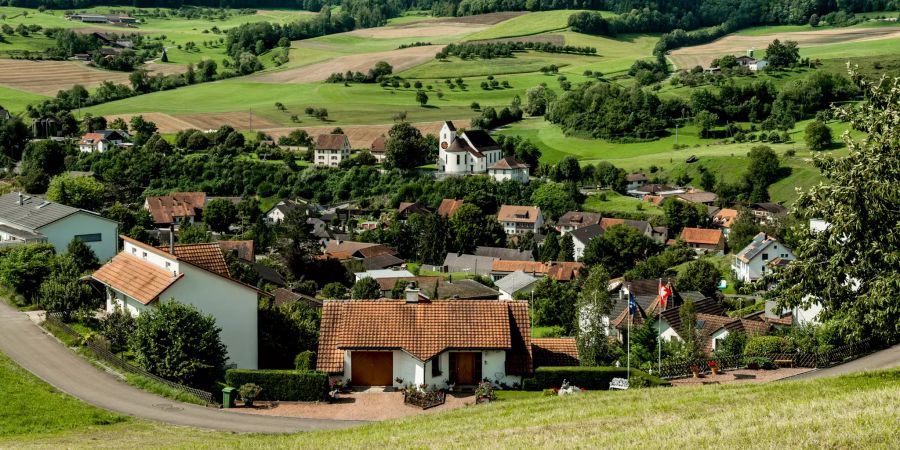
[[595, 378], [290, 385], [305, 361], [766, 345]]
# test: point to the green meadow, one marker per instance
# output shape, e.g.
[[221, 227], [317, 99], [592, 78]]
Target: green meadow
[[15, 100], [526, 25]]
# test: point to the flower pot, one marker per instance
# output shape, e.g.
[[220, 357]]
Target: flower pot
[[696, 373], [715, 370]]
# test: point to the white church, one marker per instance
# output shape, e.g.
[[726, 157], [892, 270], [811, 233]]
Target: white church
[[476, 152]]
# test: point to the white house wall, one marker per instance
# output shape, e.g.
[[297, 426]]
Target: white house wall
[[233, 306], [170, 264], [61, 232], [415, 372]]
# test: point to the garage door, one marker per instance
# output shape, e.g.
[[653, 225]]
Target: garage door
[[372, 368]]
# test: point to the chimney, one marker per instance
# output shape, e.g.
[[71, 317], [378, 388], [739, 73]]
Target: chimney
[[172, 239], [412, 293], [21, 199]]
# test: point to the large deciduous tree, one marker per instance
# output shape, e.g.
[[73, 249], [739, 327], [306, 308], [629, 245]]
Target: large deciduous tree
[[78, 192], [554, 304], [852, 268], [700, 275], [817, 136], [619, 249], [594, 303], [405, 148], [219, 214]]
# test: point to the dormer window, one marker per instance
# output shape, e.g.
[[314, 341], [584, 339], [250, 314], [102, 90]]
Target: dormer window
[[133, 251], [144, 254]]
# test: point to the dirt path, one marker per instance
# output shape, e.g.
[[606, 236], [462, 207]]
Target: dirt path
[[735, 44], [44, 356], [400, 59]]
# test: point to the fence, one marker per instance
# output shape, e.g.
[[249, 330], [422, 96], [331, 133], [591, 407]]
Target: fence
[[682, 367], [102, 352]]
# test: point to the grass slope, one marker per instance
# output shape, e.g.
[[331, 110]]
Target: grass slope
[[15, 100], [858, 411], [526, 25]]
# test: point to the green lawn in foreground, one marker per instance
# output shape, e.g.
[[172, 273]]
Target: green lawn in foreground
[[851, 412]]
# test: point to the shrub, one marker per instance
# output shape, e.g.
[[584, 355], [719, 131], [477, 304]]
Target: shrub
[[305, 360], [291, 385], [595, 378], [766, 345], [249, 392], [757, 362]]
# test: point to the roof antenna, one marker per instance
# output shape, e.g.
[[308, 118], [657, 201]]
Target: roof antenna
[[172, 238]]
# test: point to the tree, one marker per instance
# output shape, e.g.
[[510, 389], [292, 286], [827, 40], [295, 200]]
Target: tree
[[554, 199], [165, 57], [472, 228], [762, 171], [593, 305], [700, 275], [781, 55], [743, 229], [566, 248], [366, 288], [619, 248], [539, 99], [77, 192], [846, 268], [405, 147], [23, 268], [63, 291], [818, 136], [82, 255], [177, 342], [334, 290], [680, 214], [550, 248], [421, 98], [116, 327], [219, 214], [141, 129], [554, 304], [193, 234], [687, 312], [42, 160], [285, 331]]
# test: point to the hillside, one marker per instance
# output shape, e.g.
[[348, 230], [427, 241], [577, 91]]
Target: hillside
[[751, 416]]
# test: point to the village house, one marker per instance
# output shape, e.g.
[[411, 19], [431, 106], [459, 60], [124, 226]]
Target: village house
[[557, 270], [572, 220], [177, 208], [509, 168], [465, 263], [373, 256], [407, 209], [141, 276], [648, 298], [379, 148], [722, 218], [440, 288], [767, 212], [757, 258], [514, 284], [698, 196], [581, 237], [280, 210], [704, 240], [448, 207], [102, 140], [658, 234], [25, 219], [634, 181], [440, 342], [518, 220], [331, 149], [284, 297], [660, 190], [470, 152], [504, 253]]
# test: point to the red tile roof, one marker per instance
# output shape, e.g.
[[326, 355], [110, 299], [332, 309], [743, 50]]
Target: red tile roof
[[521, 214], [701, 236], [448, 207], [331, 141], [167, 208], [425, 329], [560, 271], [378, 144], [91, 138], [135, 277], [555, 352], [725, 217], [207, 256], [509, 163]]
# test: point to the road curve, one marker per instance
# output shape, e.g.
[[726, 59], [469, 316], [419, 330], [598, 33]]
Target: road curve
[[883, 359], [41, 354]]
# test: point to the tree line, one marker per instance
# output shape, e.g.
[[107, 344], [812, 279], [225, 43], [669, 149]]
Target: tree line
[[491, 50]]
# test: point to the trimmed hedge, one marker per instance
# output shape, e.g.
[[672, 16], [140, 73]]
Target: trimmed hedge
[[766, 345], [305, 361], [291, 385], [592, 378]]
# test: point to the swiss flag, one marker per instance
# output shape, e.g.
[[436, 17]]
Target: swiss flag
[[664, 293]]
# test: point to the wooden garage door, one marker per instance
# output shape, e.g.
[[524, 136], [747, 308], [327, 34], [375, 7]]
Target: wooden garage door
[[372, 368]]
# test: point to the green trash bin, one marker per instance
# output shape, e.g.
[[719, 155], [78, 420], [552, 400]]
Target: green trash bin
[[228, 397]]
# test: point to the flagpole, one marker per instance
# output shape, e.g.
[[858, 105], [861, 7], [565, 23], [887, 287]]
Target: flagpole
[[629, 340]]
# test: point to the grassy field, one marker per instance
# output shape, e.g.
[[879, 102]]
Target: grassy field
[[851, 412], [526, 25], [610, 203], [15, 100]]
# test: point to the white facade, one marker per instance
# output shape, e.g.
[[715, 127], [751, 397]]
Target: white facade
[[758, 65], [231, 304], [756, 266], [415, 372], [462, 161], [332, 157], [514, 228], [96, 146], [519, 174]]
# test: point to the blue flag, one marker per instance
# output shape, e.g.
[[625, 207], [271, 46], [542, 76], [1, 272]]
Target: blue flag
[[632, 305]]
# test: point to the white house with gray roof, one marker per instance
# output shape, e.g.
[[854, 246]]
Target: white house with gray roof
[[515, 283], [26, 219], [751, 263]]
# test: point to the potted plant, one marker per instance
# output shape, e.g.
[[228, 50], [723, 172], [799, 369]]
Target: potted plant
[[249, 392], [713, 366], [484, 393], [695, 369]]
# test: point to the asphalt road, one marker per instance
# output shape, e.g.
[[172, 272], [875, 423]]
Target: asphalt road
[[884, 359], [41, 354]]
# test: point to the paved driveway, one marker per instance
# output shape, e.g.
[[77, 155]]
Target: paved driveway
[[41, 354], [884, 359]]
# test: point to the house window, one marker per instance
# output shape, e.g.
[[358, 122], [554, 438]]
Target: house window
[[144, 255], [765, 256], [133, 251], [168, 264], [457, 159], [94, 237], [436, 366]]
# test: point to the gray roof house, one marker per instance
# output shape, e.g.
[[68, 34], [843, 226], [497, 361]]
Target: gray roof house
[[582, 236], [515, 283], [479, 265], [509, 254], [28, 219]]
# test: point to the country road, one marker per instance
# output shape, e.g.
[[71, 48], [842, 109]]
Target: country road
[[41, 354], [883, 359]]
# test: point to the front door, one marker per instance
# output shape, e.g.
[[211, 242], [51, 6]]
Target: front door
[[372, 368], [465, 368]]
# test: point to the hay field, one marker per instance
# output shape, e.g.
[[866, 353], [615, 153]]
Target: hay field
[[736, 44], [401, 59], [50, 77], [419, 30]]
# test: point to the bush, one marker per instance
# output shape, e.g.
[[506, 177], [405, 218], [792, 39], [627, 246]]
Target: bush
[[594, 378], [290, 385], [757, 362], [766, 345], [305, 360], [249, 392]]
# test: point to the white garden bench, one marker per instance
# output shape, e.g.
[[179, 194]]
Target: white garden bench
[[618, 383]]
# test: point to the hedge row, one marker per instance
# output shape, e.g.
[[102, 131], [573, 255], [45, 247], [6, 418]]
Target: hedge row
[[594, 378], [290, 385]]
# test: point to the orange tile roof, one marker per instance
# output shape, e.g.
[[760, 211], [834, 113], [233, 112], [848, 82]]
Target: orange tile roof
[[725, 217], [515, 213], [555, 352], [135, 278], [425, 329], [448, 207], [378, 145], [242, 249], [166, 208], [701, 236], [91, 138], [207, 256], [655, 199]]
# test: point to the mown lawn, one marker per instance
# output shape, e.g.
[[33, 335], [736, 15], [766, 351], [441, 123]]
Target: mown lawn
[[609, 203], [525, 25], [851, 412]]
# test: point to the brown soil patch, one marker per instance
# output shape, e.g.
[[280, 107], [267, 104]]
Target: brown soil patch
[[427, 29], [165, 68], [50, 77], [401, 59], [239, 120], [485, 19], [361, 136], [703, 55], [164, 122], [555, 39]]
